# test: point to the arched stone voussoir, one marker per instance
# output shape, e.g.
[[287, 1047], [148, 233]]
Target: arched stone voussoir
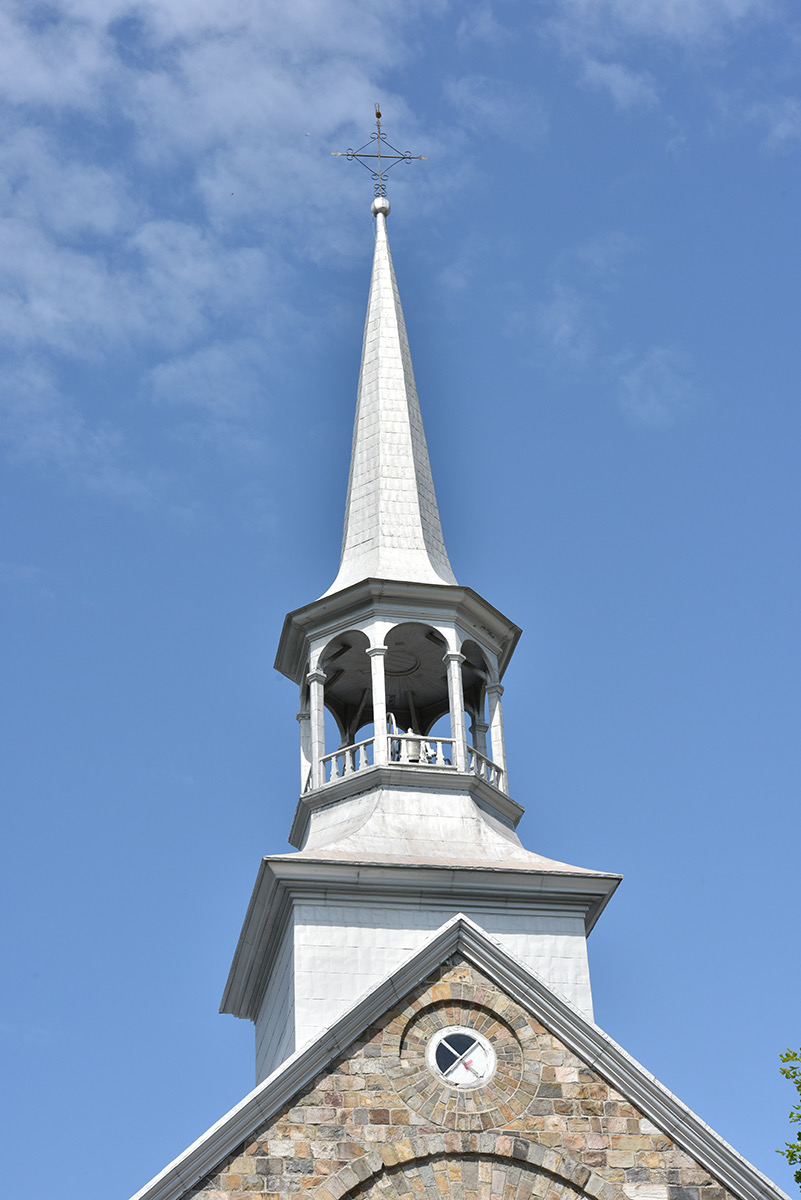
[[415, 1151]]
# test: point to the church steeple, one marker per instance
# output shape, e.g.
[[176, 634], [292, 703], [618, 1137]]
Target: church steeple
[[404, 817], [392, 525]]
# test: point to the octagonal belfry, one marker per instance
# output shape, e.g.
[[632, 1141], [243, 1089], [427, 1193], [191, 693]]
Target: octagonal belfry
[[391, 661], [404, 817]]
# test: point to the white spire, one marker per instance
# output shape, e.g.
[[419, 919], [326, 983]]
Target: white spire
[[392, 526]]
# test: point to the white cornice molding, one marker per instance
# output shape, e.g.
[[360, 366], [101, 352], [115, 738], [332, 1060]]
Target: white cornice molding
[[284, 879], [400, 600], [439, 780], [587, 1041]]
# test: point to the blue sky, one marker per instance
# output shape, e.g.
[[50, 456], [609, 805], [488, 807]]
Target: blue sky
[[599, 265]]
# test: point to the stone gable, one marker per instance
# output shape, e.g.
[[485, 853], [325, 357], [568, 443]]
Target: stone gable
[[380, 1125]]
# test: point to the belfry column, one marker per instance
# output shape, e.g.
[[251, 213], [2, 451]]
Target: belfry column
[[304, 721], [377, 654], [454, 662], [479, 732], [316, 680], [494, 693]]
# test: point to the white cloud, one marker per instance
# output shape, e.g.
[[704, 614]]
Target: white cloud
[[658, 387], [602, 257], [608, 40], [566, 323], [479, 24], [221, 389], [130, 123], [626, 87], [569, 329], [569, 323], [43, 427], [485, 103], [781, 120], [41, 184], [603, 22], [22, 574], [51, 61]]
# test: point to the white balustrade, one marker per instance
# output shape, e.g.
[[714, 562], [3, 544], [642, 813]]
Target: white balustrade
[[484, 768], [407, 750], [347, 760]]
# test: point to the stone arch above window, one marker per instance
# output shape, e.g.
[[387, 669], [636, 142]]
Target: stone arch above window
[[477, 1166], [507, 1030]]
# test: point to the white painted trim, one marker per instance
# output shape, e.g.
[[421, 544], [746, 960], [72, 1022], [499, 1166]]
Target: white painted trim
[[284, 878], [438, 779], [397, 601], [586, 1040]]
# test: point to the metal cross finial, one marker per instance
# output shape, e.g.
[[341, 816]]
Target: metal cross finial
[[379, 146]]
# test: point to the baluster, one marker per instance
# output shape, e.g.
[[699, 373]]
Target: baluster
[[404, 750]]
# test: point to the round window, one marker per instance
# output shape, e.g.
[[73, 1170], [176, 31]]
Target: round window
[[461, 1057]]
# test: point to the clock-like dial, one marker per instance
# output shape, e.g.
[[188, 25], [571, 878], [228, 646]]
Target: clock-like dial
[[462, 1057]]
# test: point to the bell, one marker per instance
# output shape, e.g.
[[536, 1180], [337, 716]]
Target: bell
[[412, 747]]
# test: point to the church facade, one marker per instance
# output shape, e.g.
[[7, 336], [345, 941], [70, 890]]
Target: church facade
[[417, 979]]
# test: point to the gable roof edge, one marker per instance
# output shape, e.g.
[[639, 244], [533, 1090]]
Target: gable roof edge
[[589, 1042], [585, 1039]]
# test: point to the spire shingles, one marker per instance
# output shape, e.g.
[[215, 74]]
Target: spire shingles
[[392, 526]]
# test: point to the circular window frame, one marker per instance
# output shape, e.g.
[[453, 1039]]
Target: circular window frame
[[436, 1040]]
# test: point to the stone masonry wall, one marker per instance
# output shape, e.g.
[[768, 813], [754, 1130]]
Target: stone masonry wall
[[379, 1125]]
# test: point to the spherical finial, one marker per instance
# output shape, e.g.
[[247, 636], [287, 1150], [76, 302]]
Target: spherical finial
[[380, 205]]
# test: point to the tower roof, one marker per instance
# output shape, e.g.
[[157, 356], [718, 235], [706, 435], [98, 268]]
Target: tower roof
[[392, 526]]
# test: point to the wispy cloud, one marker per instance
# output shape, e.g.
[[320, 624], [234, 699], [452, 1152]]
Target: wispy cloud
[[149, 154], [491, 104], [43, 427], [609, 40], [220, 391], [480, 24], [569, 331], [606, 22], [569, 320], [657, 387], [627, 88], [567, 323], [780, 119]]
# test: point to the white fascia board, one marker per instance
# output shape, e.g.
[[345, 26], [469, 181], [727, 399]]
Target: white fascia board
[[283, 880], [580, 889], [399, 600], [626, 1075], [440, 780], [586, 1040], [258, 943]]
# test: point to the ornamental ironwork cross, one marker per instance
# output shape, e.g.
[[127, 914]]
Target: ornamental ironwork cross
[[385, 154]]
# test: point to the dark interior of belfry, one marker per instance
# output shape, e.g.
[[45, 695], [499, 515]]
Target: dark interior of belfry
[[416, 680]]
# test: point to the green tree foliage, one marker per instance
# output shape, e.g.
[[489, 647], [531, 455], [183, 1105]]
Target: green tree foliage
[[792, 1071]]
